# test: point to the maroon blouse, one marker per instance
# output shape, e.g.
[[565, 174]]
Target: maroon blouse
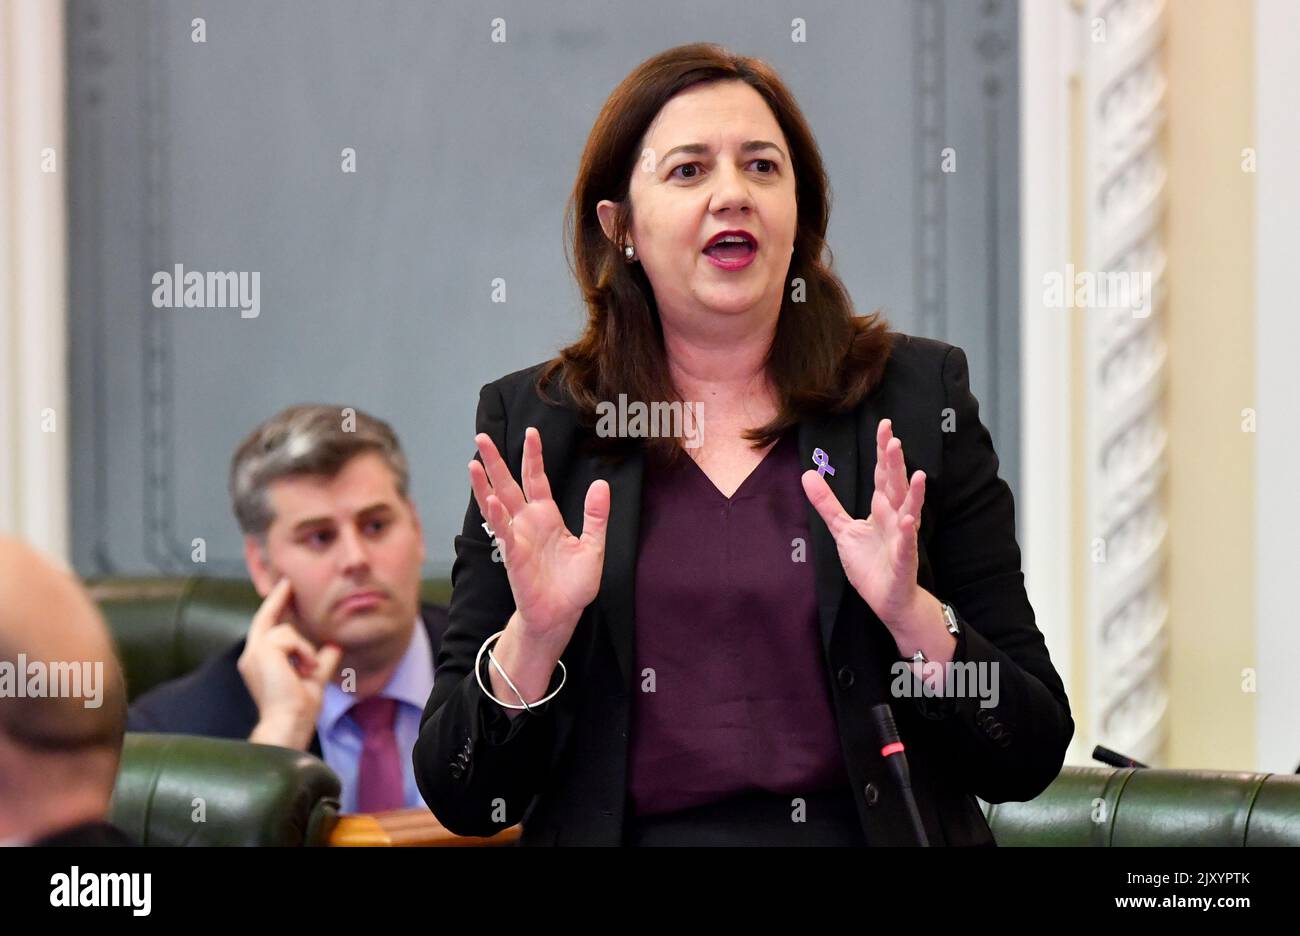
[[727, 620]]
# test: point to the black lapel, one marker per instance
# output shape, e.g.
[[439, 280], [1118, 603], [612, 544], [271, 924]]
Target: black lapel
[[837, 436], [434, 618], [616, 601]]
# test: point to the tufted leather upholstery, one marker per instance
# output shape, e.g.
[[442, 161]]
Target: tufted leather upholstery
[[256, 794], [1104, 806], [165, 628], [180, 790]]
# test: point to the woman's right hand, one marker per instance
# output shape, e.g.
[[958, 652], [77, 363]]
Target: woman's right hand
[[553, 574]]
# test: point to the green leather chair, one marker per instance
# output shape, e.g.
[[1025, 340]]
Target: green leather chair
[[181, 790], [256, 794], [252, 794], [264, 795], [166, 627], [1103, 806]]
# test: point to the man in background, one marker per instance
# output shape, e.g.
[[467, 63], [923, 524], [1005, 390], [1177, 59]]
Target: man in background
[[339, 657]]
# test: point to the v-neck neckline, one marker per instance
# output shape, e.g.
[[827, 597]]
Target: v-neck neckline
[[753, 472]]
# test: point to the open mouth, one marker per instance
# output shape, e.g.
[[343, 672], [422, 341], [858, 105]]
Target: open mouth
[[731, 246]]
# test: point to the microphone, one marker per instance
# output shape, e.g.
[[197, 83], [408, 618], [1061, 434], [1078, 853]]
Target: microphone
[[1114, 758], [891, 749]]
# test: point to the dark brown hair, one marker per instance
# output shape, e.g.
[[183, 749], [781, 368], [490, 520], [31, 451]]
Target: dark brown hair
[[823, 359]]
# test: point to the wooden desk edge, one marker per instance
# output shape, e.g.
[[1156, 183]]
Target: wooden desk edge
[[408, 828]]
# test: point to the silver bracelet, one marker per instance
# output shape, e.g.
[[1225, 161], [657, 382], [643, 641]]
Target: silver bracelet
[[478, 675]]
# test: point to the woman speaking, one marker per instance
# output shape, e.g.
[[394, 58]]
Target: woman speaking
[[681, 631]]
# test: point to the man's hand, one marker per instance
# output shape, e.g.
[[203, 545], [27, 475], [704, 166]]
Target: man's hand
[[285, 674]]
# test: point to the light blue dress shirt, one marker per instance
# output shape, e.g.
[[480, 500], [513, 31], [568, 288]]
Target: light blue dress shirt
[[340, 737]]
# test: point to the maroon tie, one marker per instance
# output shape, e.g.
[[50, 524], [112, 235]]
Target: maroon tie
[[379, 778]]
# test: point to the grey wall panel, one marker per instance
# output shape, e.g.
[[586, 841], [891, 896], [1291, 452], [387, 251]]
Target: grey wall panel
[[376, 287]]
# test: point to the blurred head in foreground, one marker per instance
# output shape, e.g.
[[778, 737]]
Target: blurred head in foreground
[[62, 700]]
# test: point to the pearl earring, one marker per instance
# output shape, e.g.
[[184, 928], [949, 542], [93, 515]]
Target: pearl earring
[[629, 252]]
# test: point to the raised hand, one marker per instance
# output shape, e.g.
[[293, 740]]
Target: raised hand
[[553, 574], [879, 554]]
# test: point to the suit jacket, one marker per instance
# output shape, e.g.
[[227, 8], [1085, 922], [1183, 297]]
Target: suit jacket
[[87, 835], [213, 700], [563, 770]]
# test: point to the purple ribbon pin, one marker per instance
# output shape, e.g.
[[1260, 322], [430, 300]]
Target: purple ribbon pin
[[822, 461]]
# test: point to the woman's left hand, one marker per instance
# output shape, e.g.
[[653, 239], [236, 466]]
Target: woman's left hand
[[879, 554]]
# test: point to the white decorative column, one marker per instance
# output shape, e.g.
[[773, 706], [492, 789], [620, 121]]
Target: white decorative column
[[1048, 62], [1126, 437], [34, 426], [1277, 335]]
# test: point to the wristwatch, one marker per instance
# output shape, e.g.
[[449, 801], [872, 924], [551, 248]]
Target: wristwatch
[[949, 619]]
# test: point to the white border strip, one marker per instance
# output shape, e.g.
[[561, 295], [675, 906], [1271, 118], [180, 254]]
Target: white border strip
[[33, 277], [1277, 337], [1047, 59]]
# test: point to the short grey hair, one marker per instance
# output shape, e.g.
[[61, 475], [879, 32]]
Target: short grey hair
[[311, 439]]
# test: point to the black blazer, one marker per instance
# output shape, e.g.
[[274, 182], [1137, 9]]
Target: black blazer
[[213, 701], [563, 771]]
